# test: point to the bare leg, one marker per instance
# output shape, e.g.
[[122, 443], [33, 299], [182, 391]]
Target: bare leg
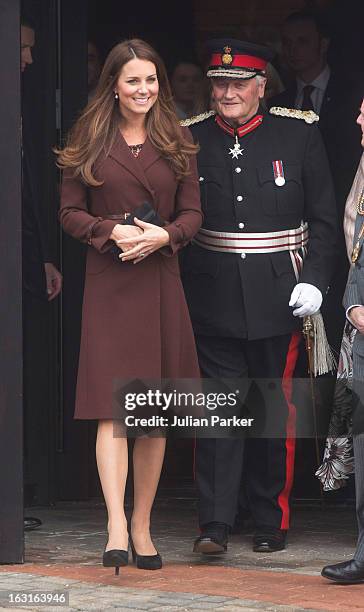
[[148, 460], [112, 463]]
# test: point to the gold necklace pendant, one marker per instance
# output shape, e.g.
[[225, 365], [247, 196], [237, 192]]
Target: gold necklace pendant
[[360, 206], [358, 246], [356, 252]]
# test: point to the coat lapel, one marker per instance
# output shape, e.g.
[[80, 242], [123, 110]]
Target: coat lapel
[[148, 155], [121, 153]]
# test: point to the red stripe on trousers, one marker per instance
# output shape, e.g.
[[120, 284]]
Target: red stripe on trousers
[[292, 355]]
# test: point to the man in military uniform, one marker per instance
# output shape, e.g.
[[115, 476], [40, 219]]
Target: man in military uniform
[[264, 177]]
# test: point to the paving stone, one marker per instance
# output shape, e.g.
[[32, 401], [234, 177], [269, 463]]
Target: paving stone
[[215, 599], [75, 535], [173, 601], [170, 608]]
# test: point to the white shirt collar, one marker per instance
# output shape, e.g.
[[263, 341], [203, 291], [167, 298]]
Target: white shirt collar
[[320, 82]]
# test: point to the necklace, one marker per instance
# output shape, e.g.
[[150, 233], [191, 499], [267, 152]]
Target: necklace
[[135, 149], [360, 206], [358, 245]]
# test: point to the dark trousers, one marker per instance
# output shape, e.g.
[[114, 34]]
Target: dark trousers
[[268, 463]]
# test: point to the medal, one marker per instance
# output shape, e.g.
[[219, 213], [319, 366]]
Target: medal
[[278, 173], [237, 150]]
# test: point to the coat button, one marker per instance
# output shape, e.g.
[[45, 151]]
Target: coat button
[[238, 170], [239, 198], [241, 225], [243, 255]]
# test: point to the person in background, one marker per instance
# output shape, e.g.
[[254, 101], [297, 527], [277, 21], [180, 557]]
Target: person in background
[[352, 571], [41, 278], [93, 67], [40, 272], [189, 88], [274, 83], [316, 86]]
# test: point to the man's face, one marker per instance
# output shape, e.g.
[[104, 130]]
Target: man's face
[[27, 40], [360, 121], [236, 100], [187, 83], [303, 46]]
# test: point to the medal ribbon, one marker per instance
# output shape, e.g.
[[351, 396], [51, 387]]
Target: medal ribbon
[[278, 172]]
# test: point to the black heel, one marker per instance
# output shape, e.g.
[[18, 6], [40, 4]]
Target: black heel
[[115, 558], [146, 562]]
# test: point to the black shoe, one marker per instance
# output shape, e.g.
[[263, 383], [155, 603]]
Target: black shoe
[[146, 562], [115, 558], [30, 523], [269, 540], [347, 572], [213, 539]]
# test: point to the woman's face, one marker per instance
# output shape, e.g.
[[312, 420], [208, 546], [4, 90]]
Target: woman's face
[[137, 87]]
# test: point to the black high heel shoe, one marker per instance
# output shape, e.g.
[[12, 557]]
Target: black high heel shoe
[[115, 558], [146, 562]]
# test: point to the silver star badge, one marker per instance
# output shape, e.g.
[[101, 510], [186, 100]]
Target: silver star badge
[[236, 151]]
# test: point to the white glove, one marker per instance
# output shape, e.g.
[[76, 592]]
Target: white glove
[[307, 298]]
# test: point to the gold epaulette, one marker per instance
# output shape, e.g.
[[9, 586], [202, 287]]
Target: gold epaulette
[[294, 113], [197, 118]]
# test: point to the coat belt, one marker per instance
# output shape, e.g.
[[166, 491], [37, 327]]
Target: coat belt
[[265, 242]]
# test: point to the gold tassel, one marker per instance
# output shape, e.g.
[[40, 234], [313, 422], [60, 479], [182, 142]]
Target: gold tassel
[[321, 359]]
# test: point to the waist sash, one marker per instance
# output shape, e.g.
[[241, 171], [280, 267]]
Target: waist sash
[[262, 242]]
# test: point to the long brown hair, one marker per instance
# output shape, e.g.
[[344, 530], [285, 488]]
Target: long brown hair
[[95, 130]]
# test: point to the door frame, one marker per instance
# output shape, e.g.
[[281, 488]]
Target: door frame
[[11, 404]]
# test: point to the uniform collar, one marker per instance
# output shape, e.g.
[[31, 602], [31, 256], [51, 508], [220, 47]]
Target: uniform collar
[[242, 130]]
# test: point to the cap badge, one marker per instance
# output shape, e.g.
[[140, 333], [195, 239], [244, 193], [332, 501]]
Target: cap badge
[[226, 57]]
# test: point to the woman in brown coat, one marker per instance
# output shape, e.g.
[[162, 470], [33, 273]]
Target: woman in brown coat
[[127, 148]]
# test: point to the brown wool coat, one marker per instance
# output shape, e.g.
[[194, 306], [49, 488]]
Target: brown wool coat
[[135, 321]]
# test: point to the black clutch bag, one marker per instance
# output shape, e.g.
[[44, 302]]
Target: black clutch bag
[[145, 212]]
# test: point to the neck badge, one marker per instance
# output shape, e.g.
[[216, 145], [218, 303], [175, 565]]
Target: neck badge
[[236, 150]]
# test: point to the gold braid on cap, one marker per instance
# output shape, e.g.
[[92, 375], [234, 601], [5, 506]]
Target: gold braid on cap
[[293, 113], [197, 118]]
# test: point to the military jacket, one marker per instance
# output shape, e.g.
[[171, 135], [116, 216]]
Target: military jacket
[[246, 295]]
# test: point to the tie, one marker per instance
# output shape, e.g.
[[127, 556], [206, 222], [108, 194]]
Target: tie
[[307, 100]]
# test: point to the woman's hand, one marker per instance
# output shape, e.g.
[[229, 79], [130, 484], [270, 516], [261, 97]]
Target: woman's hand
[[356, 316], [139, 247], [124, 232]]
